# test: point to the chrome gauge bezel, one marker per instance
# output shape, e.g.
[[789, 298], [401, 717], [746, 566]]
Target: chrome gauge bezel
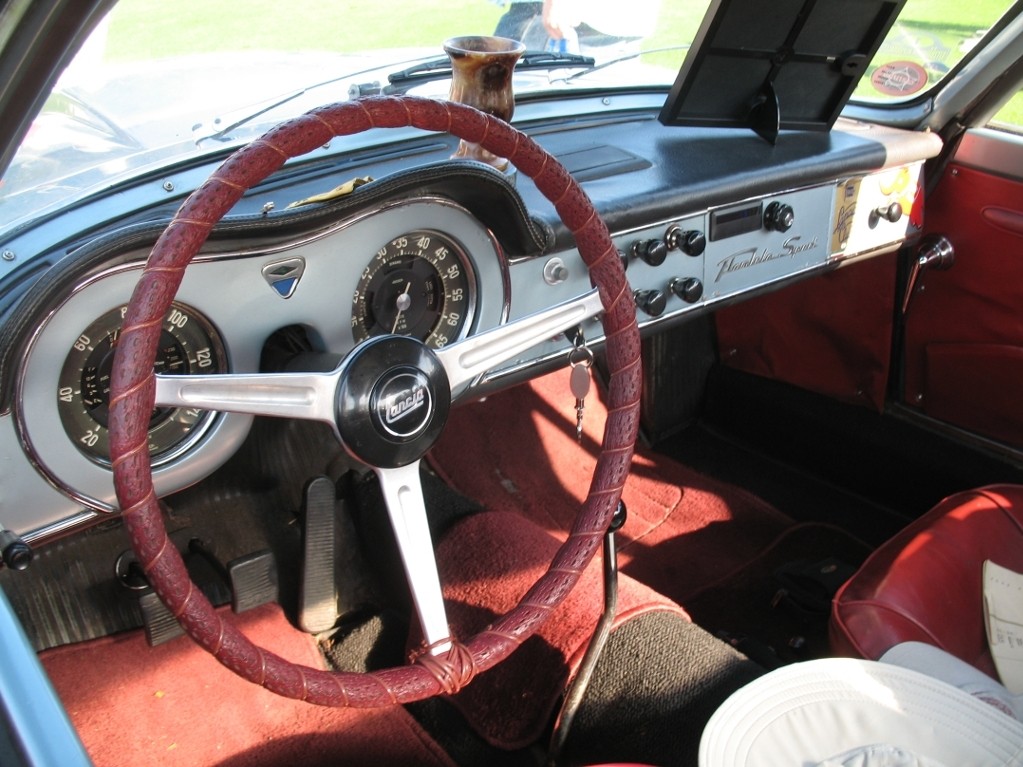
[[432, 271], [42, 435], [189, 344]]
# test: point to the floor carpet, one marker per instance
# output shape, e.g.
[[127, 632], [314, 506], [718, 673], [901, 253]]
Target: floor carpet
[[775, 607], [175, 705], [724, 554], [517, 451]]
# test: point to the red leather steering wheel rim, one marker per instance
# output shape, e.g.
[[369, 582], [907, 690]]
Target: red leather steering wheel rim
[[132, 401]]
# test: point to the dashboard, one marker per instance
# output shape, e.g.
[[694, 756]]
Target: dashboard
[[417, 245]]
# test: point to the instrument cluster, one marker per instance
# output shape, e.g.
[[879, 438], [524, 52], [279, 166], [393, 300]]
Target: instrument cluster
[[424, 268]]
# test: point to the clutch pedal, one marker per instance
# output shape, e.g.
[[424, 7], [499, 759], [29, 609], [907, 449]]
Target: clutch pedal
[[251, 579], [159, 622]]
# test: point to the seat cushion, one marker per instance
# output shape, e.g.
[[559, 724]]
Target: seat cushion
[[925, 584]]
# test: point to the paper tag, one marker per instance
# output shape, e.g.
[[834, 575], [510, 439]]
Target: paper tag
[[1003, 621]]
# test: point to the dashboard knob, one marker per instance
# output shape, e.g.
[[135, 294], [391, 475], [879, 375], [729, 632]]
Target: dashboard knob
[[653, 302], [779, 217], [892, 212], [689, 289], [693, 243], [555, 271], [14, 552], [652, 251]]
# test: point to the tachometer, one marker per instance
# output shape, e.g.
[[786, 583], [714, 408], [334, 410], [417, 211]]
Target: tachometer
[[188, 344], [421, 285]]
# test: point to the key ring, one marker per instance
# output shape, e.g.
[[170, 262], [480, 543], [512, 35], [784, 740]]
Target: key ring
[[581, 354]]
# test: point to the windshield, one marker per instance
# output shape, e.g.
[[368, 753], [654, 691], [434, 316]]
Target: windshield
[[159, 83]]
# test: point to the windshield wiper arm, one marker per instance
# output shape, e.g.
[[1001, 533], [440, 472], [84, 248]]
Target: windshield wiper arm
[[626, 57], [439, 68], [398, 82], [552, 60]]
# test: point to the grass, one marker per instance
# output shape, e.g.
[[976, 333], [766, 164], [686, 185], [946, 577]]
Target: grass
[[150, 28], [935, 33]]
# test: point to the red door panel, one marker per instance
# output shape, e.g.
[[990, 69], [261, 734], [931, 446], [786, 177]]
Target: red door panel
[[963, 354]]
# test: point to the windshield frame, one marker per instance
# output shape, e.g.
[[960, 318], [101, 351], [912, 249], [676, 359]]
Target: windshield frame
[[38, 40]]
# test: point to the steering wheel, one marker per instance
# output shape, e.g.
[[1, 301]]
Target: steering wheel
[[387, 402]]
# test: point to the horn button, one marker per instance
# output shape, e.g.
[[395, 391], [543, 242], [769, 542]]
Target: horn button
[[392, 402], [402, 403]]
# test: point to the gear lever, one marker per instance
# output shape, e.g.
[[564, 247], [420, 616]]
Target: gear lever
[[577, 688]]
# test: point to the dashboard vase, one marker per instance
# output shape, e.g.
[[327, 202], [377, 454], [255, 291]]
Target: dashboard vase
[[481, 76]]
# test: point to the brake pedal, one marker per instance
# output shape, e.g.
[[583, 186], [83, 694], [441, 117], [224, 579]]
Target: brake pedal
[[253, 580], [159, 622]]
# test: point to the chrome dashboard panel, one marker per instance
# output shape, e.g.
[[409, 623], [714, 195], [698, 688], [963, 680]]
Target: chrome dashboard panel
[[834, 223], [230, 290], [651, 184]]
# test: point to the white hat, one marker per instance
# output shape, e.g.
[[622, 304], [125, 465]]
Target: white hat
[[857, 713]]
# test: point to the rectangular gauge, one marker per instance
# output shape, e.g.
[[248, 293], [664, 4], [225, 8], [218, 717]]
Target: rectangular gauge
[[733, 221]]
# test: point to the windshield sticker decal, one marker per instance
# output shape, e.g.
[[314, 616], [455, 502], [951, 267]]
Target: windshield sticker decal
[[899, 78]]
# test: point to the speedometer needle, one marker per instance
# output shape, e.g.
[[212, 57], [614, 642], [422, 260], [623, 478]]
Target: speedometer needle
[[403, 302]]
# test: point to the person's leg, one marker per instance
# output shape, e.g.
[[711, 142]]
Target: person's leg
[[517, 20]]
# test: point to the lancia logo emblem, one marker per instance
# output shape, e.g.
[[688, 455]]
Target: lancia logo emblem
[[283, 276], [403, 404]]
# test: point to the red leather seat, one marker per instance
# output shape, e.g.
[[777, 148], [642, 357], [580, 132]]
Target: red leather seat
[[925, 583]]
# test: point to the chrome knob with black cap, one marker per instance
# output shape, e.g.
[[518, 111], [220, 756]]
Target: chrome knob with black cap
[[689, 289], [692, 242], [652, 252], [14, 552], [652, 302], [779, 217]]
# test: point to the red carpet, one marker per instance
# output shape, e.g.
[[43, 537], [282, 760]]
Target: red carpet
[[174, 705], [517, 451], [487, 562]]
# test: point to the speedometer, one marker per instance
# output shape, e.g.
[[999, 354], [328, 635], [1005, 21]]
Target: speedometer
[[187, 345], [421, 285]]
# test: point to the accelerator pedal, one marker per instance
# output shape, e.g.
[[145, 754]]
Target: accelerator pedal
[[318, 604]]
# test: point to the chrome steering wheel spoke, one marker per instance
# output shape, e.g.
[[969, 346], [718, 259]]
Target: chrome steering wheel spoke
[[306, 396], [311, 396], [403, 495], [477, 354], [406, 388]]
